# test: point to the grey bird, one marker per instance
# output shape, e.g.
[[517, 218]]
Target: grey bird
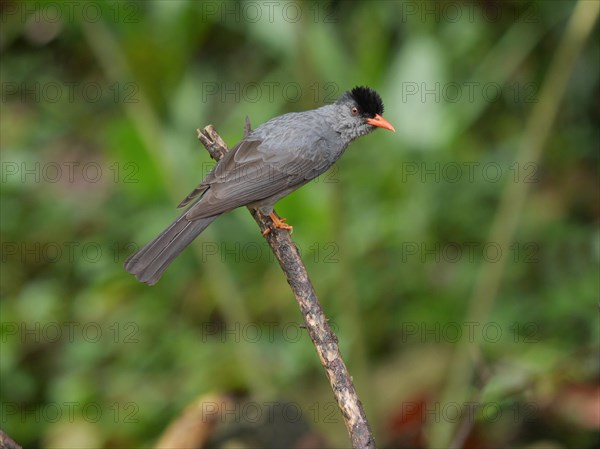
[[275, 159]]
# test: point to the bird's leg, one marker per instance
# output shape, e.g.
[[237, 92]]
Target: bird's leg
[[278, 223]]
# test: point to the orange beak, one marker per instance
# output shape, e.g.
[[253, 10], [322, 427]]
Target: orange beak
[[378, 120]]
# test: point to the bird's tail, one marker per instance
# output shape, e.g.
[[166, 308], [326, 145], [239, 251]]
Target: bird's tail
[[149, 263]]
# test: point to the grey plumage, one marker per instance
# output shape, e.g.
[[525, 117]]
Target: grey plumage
[[272, 161]]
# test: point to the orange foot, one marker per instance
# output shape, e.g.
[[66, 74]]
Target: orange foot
[[278, 223]]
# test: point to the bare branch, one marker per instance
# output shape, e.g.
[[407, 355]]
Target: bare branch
[[323, 338]]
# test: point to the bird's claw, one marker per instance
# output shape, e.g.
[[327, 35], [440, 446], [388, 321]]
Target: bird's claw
[[278, 223]]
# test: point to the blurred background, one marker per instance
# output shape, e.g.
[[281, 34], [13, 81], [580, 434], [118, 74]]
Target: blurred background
[[457, 259]]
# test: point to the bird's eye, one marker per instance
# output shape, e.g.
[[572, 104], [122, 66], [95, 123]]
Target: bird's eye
[[354, 110]]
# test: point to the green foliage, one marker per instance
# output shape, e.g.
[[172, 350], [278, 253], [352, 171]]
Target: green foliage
[[98, 140]]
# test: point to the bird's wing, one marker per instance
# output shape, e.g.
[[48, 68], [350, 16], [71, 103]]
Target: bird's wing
[[252, 171], [222, 166], [194, 194]]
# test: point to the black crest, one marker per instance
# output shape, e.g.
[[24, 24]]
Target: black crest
[[368, 101]]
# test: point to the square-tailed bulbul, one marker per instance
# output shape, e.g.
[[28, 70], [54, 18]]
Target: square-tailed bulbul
[[275, 159]]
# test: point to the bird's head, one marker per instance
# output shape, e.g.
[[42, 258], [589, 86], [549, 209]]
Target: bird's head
[[358, 112]]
